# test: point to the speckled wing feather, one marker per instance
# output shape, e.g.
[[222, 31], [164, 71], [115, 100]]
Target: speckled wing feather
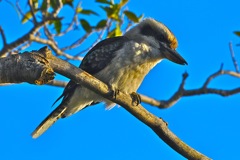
[[102, 54]]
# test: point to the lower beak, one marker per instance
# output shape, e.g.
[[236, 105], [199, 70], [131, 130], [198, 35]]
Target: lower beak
[[172, 55]]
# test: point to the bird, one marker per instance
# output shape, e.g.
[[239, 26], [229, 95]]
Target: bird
[[121, 62]]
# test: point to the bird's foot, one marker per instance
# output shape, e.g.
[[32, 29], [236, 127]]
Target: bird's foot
[[113, 92], [136, 98]]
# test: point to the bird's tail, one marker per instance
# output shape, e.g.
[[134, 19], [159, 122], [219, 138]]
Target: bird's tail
[[49, 121]]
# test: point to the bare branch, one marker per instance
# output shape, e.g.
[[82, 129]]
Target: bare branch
[[19, 8], [9, 47], [233, 57], [77, 42], [92, 45], [181, 92], [54, 47], [24, 46], [211, 91], [30, 3], [57, 83], [213, 76], [26, 67], [76, 74], [57, 9], [155, 123], [71, 24], [3, 36]]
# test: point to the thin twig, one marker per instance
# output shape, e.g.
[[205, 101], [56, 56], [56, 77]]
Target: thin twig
[[77, 42], [100, 36], [3, 36], [73, 21], [181, 92], [233, 57], [24, 46], [57, 9], [9, 47], [19, 8], [213, 76], [30, 3], [54, 47], [57, 83]]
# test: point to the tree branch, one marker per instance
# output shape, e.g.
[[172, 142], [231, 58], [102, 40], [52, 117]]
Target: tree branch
[[57, 83], [26, 67], [155, 123], [181, 92], [30, 3], [3, 36], [233, 57], [9, 47]]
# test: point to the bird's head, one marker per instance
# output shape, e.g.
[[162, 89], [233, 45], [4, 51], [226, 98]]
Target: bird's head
[[158, 36]]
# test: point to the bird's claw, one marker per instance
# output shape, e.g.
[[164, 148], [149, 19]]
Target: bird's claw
[[113, 92], [136, 98]]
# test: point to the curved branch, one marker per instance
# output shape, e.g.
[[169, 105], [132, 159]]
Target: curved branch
[[181, 92], [155, 123], [80, 76], [9, 47], [3, 36], [233, 57], [54, 47], [30, 3]]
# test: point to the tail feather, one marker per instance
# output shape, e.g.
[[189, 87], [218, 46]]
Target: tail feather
[[49, 121]]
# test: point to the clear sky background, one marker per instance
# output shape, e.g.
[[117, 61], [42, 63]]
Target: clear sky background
[[208, 123]]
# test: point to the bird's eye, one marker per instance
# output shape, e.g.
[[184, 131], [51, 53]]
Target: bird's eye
[[161, 37]]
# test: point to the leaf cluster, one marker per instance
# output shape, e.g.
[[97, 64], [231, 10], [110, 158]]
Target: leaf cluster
[[115, 13]]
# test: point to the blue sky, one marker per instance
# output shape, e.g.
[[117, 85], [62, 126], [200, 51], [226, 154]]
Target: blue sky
[[208, 123]]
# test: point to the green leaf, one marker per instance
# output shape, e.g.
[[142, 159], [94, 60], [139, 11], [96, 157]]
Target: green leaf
[[108, 10], [140, 17], [112, 12], [86, 26], [54, 3], [237, 33], [27, 17], [118, 31], [132, 16], [112, 33], [123, 2], [104, 1], [57, 25], [35, 4], [86, 11], [79, 9], [101, 24], [68, 2], [115, 32], [44, 5]]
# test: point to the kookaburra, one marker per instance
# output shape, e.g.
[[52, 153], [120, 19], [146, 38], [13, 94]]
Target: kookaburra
[[120, 62]]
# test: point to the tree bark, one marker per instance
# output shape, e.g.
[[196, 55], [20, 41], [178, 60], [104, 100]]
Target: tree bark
[[26, 67]]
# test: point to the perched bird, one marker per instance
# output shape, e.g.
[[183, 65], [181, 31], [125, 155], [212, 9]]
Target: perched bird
[[121, 62]]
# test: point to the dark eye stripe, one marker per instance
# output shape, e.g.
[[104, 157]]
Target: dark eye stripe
[[159, 35]]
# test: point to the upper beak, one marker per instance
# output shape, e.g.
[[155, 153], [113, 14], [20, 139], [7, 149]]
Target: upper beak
[[172, 55]]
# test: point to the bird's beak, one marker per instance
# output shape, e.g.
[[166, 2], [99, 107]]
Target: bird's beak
[[172, 54]]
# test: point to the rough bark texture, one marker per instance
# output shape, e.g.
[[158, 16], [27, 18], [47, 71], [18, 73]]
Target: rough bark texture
[[27, 67]]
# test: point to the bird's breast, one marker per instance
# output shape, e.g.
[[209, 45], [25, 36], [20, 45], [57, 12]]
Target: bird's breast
[[126, 78], [128, 68]]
